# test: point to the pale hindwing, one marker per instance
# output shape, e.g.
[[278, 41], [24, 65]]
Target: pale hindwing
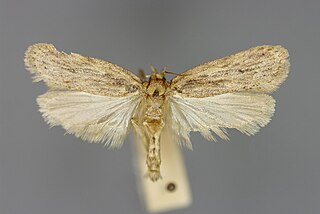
[[92, 117], [246, 112], [79, 73], [260, 69]]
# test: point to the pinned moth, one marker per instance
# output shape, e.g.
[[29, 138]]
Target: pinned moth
[[99, 101]]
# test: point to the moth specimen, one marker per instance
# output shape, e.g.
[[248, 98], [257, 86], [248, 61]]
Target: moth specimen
[[99, 101]]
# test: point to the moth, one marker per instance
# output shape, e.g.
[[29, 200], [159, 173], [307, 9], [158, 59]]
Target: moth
[[99, 101]]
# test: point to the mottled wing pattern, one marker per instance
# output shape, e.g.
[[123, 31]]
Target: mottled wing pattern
[[91, 98], [227, 93], [79, 73], [260, 69]]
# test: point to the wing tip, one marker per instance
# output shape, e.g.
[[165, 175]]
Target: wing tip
[[33, 53], [38, 47]]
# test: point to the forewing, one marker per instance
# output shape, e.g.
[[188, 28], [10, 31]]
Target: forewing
[[260, 69], [78, 73], [94, 118], [246, 112]]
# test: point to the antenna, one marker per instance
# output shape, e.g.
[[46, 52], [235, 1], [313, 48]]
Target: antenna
[[153, 69], [163, 71]]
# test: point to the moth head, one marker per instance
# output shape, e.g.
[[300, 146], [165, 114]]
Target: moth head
[[161, 74], [156, 88], [155, 75], [157, 82]]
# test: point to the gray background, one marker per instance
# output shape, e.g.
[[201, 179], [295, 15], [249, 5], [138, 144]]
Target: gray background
[[276, 171]]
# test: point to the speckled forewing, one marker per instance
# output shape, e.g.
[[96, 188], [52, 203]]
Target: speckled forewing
[[78, 73], [260, 69]]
